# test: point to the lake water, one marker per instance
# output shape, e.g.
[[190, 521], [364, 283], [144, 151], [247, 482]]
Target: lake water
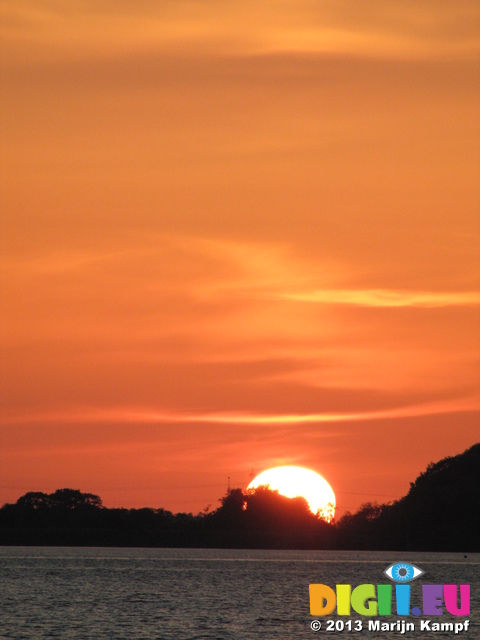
[[208, 594]]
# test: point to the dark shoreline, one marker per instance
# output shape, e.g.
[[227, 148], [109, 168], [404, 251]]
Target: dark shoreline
[[441, 512]]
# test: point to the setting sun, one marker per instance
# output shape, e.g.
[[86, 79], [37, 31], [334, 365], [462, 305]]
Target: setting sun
[[293, 481]]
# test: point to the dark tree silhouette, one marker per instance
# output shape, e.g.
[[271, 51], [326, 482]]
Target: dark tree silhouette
[[62, 498], [440, 513]]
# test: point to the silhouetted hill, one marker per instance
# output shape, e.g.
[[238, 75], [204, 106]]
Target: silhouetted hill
[[441, 512]]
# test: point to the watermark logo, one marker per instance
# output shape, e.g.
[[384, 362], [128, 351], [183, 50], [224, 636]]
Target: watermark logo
[[372, 600], [403, 572]]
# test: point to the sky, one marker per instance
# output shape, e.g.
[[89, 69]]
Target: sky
[[237, 235]]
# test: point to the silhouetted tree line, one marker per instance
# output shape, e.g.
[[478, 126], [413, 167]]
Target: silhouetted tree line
[[441, 512]]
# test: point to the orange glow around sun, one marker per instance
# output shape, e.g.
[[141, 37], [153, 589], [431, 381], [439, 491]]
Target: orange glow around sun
[[291, 481]]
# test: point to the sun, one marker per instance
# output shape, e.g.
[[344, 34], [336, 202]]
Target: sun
[[297, 481]]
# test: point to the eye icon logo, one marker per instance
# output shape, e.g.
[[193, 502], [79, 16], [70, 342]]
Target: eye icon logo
[[403, 572]]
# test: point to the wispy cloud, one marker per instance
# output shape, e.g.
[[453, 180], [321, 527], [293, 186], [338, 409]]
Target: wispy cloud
[[120, 415], [388, 27], [388, 298]]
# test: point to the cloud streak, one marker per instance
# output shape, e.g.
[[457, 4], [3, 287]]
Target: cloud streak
[[120, 415], [384, 28], [383, 298]]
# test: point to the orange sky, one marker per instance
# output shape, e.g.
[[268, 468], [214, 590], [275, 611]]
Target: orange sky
[[236, 235]]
